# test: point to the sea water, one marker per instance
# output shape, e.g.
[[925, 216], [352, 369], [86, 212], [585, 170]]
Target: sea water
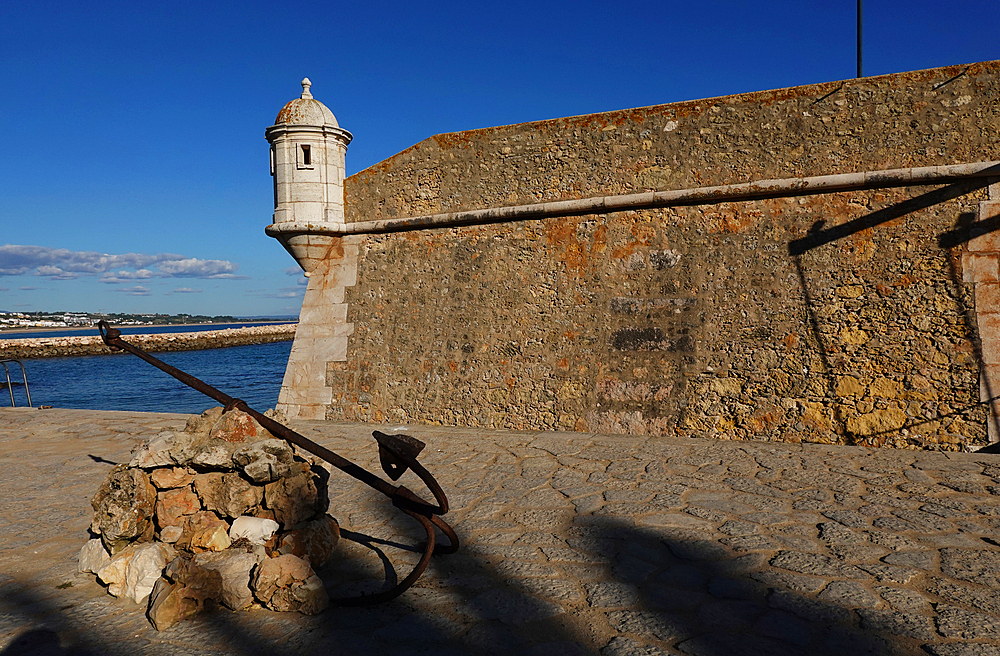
[[124, 382]]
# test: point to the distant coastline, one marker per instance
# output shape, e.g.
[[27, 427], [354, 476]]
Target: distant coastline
[[59, 329], [48, 347]]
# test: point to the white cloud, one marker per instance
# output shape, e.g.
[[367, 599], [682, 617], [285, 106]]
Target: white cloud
[[191, 267], [138, 290], [64, 264], [284, 292], [56, 273], [186, 290], [125, 276]]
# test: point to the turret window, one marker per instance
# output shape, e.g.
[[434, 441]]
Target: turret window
[[305, 156]]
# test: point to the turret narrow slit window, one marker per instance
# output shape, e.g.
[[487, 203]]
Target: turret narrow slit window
[[305, 156]]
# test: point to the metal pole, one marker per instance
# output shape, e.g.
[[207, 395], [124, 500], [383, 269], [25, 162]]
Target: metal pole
[[859, 39]]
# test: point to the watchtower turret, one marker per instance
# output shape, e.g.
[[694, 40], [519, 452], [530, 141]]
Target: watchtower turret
[[308, 149]]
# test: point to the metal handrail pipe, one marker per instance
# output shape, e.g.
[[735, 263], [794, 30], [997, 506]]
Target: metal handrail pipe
[[10, 386], [745, 191]]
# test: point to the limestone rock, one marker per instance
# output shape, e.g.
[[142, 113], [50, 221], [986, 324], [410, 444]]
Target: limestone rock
[[214, 453], [257, 530], [229, 494], [199, 524], [234, 567], [237, 426], [265, 461], [93, 556], [171, 534], [287, 583], [182, 592], [277, 415], [169, 603], [168, 478], [215, 538], [295, 499], [123, 509], [134, 571], [173, 505], [155, 452], [315, 542], [201, 426], [203, 583], [183, 448]]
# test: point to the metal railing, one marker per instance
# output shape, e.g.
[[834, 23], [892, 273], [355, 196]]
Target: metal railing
[[10, 385]]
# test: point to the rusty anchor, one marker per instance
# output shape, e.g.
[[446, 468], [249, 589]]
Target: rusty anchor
[[397, 454]]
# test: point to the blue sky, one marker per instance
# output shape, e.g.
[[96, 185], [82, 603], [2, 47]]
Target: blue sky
[[134, 175]]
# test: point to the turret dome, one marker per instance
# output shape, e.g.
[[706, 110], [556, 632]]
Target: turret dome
[[306, 110]]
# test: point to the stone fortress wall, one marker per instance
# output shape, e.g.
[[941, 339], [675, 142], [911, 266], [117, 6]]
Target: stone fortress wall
[[851, 317]]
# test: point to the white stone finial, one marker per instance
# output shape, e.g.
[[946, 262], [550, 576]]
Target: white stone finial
[[305, 88]]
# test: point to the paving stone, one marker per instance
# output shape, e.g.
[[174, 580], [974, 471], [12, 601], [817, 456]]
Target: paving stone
[[706, 514], [619, 646], [978, 566], [893, 541], [850, 594], [612, 595], [698, 550], [751, 543], [731, 614], [648, 624], [560, 648], [893, 622], [969, 649], [739, 528], [789, 581], [889, 573], [786, 627], [744, 645], [511, 608], [837, 533], [816, 565], [903, 600], [973, 596], [955, 622], [858, 554], [916, 559]]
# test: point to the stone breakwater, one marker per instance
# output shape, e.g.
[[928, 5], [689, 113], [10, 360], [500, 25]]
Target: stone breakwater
[[49, 347]]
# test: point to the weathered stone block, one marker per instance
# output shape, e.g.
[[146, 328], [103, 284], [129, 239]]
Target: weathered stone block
[[199, 525], [978, 267], [315, 542], [167, 478], [295, 499], [93, 556], [134, 570], [265, 461], [287, 583], [256, 530], [173, 505], [123, 509], [237, 426], [228, 494], [234, 568]]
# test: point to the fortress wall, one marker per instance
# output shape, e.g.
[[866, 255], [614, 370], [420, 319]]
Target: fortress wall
[[691, 320]]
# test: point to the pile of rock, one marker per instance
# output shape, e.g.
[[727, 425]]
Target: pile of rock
[[221, 512]]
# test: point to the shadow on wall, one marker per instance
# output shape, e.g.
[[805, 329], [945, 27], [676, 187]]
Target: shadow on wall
[[965, 229]]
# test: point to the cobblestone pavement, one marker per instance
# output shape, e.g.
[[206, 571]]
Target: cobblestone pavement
[[573, 544]]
